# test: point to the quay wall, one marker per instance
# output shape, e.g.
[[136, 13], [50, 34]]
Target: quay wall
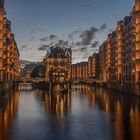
[[116, 87], [5, 86]]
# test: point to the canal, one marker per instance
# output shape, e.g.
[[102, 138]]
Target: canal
[[85, 114]]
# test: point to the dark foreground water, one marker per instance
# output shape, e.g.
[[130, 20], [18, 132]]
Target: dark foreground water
[[85, 114]]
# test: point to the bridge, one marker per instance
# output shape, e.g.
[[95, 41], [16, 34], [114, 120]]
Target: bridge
[[25, 86], [94, 82], [29, 80], [24, 83]]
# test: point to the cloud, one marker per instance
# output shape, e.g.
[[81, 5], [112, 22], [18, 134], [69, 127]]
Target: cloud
[[103, 27], [73, 58], [86, 50], [83, 49], [50, 38], [81, 38], [23, 47], [60, 43], [53, 37], [43, 47], [83, 42], [85, 56], [95, 44], [88, 35], [78, 43], [79, 48], [43, 39], [74, 33]]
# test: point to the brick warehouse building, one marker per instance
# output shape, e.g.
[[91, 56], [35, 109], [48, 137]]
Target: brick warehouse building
[[58, 67], [119, 56], [80, 71], [9, 54], [123, 53], [86, 70]]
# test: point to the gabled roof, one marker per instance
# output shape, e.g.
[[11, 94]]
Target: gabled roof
[[58, 52]]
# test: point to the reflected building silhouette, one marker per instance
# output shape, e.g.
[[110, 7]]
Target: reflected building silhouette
[[8, 110], [82, 89], [86, 110], [58, 103], [116, 106]]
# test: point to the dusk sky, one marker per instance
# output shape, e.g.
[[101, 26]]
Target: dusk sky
[[81, 24]]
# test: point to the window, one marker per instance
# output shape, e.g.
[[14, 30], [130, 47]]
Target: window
[[139, 75]]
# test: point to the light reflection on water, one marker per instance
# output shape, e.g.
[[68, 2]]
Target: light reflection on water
[[86, 113]]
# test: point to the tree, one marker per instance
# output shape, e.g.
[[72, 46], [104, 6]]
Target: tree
[[38, 71]]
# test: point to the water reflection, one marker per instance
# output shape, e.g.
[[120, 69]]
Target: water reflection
[[8, 110], [85, 113], [58, 103], [123, 111]]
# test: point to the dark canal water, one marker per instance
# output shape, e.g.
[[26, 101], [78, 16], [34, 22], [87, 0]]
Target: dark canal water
[[85, 114]]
